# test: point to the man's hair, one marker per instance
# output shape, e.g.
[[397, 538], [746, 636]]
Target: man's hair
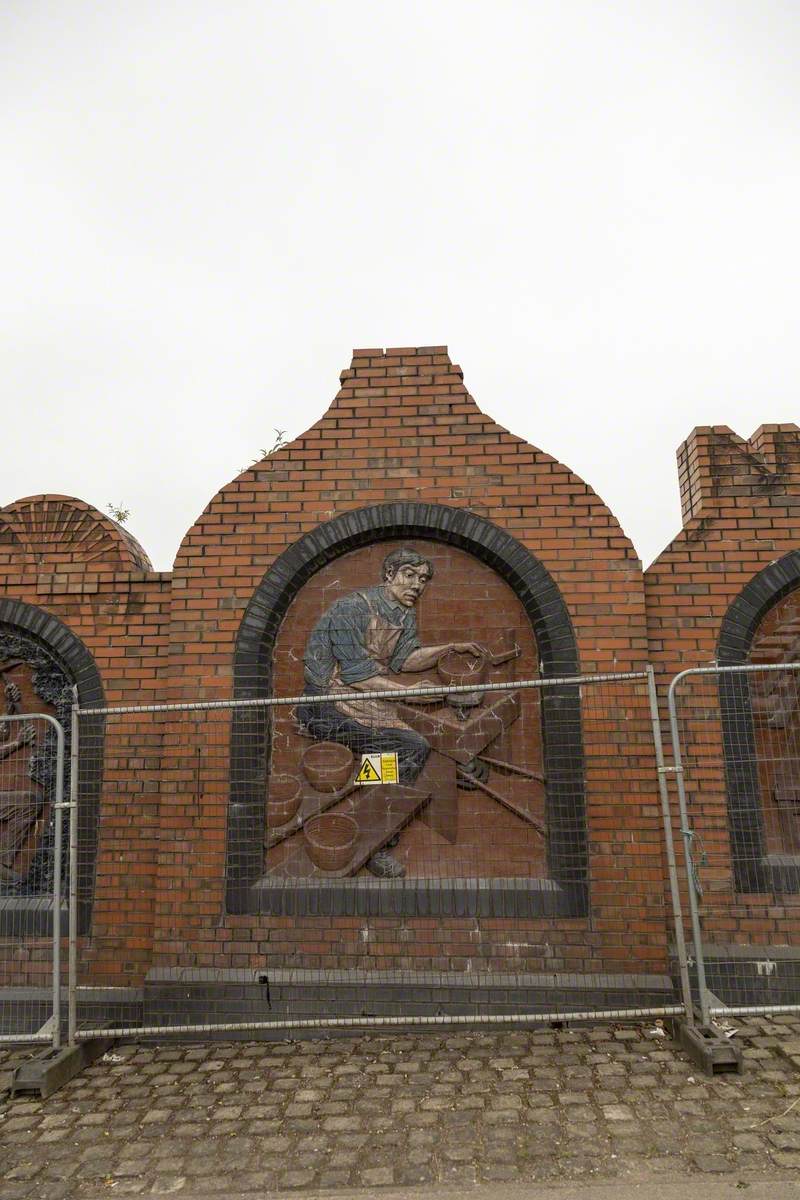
[[405, 557]]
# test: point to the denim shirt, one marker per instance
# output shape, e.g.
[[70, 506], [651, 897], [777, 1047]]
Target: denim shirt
[[339, 637]]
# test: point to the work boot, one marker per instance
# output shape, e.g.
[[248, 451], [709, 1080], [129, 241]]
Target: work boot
[[384, 866]]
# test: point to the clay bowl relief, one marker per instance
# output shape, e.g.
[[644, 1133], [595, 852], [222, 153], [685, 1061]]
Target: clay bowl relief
[[330, 840], [327, 766], [457, 668], [285, 796]]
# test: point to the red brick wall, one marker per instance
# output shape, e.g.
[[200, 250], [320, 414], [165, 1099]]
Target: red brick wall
[[402, 427]]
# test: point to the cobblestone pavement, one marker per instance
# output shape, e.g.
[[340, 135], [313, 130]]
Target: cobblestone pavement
[[371, 1112]]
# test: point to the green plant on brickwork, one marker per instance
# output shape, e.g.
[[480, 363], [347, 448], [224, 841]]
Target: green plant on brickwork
[[119, 513], [280, 441]]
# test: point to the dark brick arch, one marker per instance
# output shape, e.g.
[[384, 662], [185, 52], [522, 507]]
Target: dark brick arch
[[72, 655], [751, 872], [555, 638]]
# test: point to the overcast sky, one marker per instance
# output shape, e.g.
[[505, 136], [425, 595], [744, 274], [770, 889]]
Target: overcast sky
[[205, 206]]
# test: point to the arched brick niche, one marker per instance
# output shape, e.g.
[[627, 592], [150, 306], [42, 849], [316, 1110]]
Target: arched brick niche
[[760, 864], [540, 603], [49, 660]]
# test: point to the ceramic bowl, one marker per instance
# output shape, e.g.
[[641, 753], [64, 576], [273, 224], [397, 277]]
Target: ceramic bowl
[[328, 766], [283, 799], [330, 840], [457, 667]]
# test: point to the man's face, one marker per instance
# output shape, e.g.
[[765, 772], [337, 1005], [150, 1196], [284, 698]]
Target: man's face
[[407, 584]]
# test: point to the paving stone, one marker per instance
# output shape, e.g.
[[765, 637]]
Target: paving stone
[[170, 1164], [505, 1116], [297, 1179], [169, 1185], [343, 1158], [500, 1172], [458, 1174], [55, 1121], [412, 1175], [785, 1140], [274, 1145], [377, 1176], [452, 1153], [786, 1158], [189, 1130], [712, 1163], [134, 1166], [341, 1124], [415, 1119], [617, 1112]]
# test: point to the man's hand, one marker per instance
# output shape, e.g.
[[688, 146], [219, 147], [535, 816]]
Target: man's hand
[[473, 648], [428, 656]]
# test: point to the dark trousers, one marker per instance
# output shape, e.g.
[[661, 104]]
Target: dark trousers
[[325, 723]]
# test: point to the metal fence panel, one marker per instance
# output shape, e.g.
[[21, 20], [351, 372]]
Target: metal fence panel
[[446, 854], [32, 863], [736, 738]]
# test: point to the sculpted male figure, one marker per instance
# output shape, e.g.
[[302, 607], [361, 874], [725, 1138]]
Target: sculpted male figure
[[353, 647]]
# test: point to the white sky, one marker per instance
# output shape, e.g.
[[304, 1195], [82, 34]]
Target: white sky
[[205, 206]]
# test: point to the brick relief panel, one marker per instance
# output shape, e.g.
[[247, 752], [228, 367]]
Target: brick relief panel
[[31, 681], [469, 801], [776, 712]]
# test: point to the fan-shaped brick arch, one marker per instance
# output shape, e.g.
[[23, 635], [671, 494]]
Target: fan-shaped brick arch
[[52, 530]]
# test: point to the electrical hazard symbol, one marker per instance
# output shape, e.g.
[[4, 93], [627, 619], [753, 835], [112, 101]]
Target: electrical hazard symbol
[[370, 769], [377, 768]]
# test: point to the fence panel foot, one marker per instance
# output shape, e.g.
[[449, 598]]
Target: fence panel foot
[[50, 1069], [709, 1049]]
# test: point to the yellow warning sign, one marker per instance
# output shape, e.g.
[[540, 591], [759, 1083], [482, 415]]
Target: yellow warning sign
[[389, 768], [378, 768]]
